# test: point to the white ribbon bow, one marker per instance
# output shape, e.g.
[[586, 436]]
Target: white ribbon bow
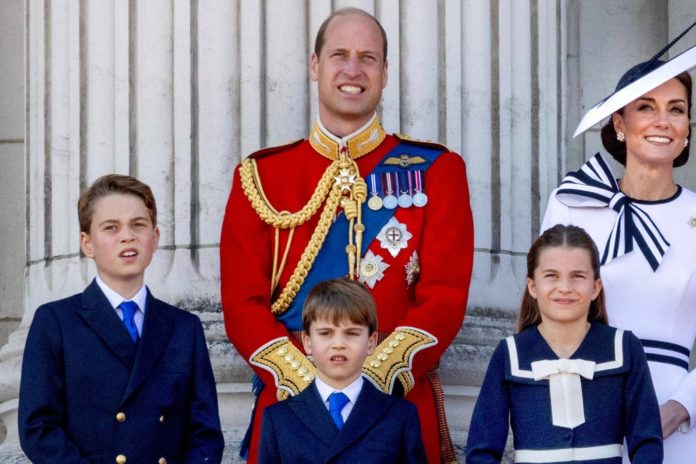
[[567, 407]]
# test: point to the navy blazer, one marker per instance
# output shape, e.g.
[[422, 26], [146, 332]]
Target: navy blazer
[[89, 394], [380, 429]]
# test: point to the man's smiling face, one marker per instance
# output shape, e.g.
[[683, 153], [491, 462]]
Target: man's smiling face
[[350, 72]]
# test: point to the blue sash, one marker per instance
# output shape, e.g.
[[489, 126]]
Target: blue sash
[[332, 260]]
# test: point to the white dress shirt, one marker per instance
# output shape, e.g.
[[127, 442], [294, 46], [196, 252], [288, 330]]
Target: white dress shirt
[[351, 391], [115, 299]]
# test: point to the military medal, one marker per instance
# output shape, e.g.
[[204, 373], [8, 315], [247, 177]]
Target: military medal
[[390, 201], [394, 237], [405, 199], [375, 201], [372, 269], [420, 199]]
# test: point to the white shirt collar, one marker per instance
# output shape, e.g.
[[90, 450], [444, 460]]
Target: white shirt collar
[[115, 299], [351, 391]]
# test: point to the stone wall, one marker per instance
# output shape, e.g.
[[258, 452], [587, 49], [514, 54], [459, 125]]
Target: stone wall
[[177, 92]]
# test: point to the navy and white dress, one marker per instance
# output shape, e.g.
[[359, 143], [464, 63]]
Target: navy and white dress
[[659, 306], [598, 397]]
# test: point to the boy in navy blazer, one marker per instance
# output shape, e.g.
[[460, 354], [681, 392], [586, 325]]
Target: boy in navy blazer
[[113, 374], [340, 418]]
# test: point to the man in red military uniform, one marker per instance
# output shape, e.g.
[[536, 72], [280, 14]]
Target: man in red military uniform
[[350, 200]]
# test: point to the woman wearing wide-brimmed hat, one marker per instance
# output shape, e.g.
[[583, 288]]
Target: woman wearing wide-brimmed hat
[[644, 225]]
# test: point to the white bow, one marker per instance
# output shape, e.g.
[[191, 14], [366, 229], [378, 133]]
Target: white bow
[[565, 389]]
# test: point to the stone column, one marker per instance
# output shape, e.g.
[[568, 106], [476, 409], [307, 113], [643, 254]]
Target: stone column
[[12, 161], [505, 112], [12, 174], [176, 92], [149, 89]]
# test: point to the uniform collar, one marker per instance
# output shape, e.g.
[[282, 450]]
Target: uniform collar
[[359, 143]]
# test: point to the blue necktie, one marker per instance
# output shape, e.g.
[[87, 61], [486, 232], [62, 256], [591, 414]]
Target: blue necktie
[[129, 308], [337, 402]]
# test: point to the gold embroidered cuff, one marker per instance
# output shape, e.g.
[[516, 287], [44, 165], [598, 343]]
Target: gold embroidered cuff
[[392, 359], [291, 369]]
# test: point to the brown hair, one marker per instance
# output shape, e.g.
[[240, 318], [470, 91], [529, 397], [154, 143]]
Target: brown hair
[[337, 300], [319, 41], [110, 184], [560, 236], [618, 149]]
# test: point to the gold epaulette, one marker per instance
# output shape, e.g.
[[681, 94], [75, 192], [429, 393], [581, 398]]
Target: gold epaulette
[[270, 150], [291, 369], [427, 143], [393, 358]]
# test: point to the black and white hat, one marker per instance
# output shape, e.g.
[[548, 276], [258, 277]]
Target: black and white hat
[[638, 81]]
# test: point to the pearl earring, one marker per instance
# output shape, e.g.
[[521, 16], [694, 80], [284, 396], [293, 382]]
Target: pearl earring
[[620, 136]]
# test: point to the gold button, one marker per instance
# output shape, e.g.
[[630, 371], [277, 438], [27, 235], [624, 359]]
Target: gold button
[[162, 461], [121, 417], [120, 459], [162, 419]]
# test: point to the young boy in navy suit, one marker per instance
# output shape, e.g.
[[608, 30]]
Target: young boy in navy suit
[[113, 374], [340, 418]]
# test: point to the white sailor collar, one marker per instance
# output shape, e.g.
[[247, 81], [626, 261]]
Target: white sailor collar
[[604, 345]]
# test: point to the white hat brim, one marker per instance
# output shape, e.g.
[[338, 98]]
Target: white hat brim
[[677, 65]]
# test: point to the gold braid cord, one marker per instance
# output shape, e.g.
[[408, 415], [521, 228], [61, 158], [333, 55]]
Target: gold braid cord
[[292, 370], [251, 183], [392, 359], [340, 184]]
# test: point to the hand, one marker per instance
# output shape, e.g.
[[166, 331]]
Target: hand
[[672, 415]]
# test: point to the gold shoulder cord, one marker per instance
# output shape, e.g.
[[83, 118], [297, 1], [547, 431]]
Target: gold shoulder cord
[[340, 184]]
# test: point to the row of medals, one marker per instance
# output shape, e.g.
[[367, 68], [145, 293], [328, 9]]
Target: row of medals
[[383, 188]]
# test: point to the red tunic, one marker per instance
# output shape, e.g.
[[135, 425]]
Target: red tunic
[[442, 237]]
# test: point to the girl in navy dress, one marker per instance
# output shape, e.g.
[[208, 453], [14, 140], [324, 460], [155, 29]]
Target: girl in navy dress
[[572, 388]]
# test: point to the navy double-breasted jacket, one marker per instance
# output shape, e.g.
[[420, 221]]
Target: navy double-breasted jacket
[[88, 394]]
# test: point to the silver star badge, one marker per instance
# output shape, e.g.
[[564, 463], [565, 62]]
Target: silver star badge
[[372, 269], [394, 237], [412, 269], [344, 179]]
